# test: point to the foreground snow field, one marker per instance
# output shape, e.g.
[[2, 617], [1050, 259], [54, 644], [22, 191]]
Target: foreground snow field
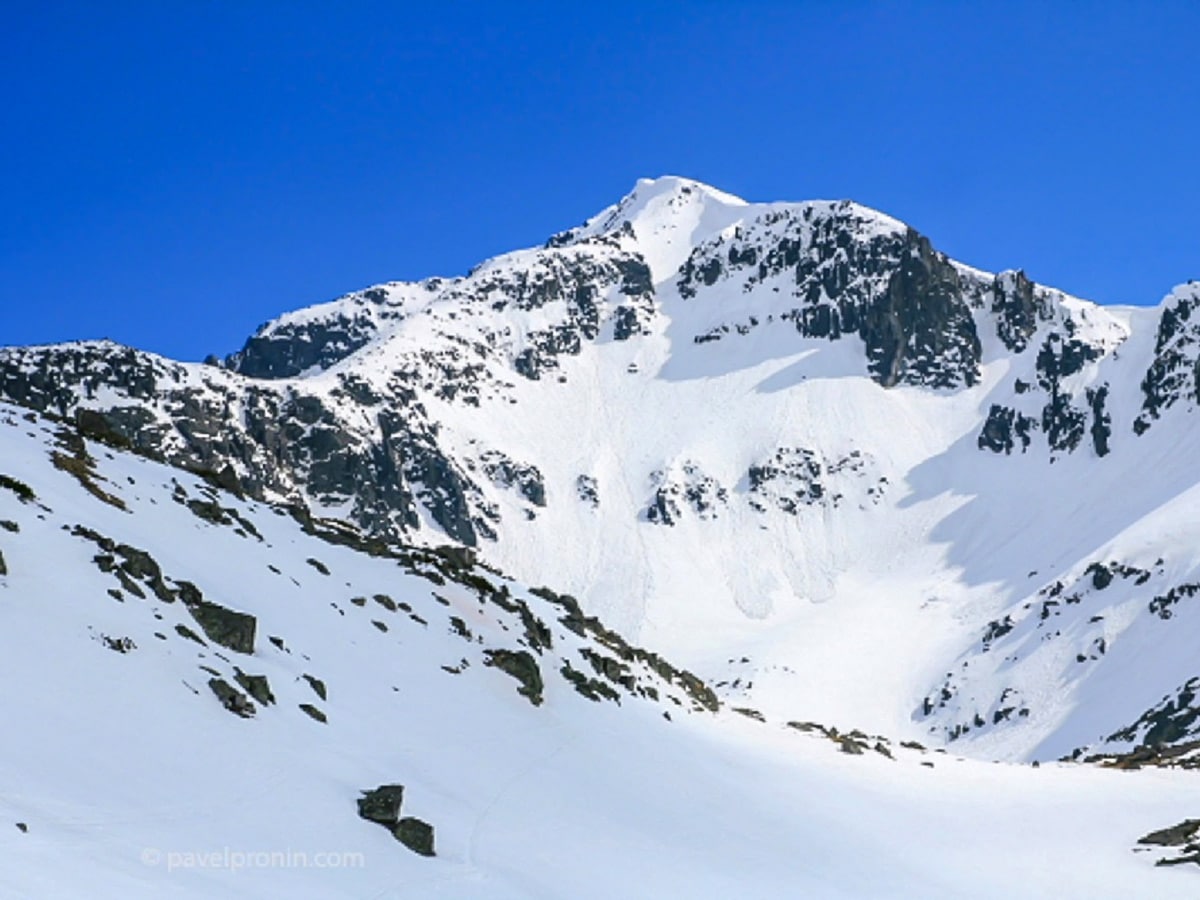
[[133, 781]]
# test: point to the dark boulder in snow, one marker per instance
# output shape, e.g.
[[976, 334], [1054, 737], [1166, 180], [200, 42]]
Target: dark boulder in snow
[[382, 804], [520, 665], [226, 627], [415, 834], [231, 698]]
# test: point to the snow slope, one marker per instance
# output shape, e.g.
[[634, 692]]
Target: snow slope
[[130, 779]]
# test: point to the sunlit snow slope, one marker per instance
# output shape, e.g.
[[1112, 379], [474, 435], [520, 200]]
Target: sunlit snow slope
[[132, 591]]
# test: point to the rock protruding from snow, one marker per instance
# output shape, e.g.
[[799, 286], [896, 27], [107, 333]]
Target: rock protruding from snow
[[840, 269], [1019, 307], [1174, 373]]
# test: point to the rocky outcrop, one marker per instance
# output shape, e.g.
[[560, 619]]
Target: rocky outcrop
[[1174, 719], [1019, 308], [521, 665], [1059, 358], [1053, 402], [1004, 428], [1174, 373], [323, 336], [223, 626], [382, 806], [687, 487], [231, 698], [272, 442], [847, 275]]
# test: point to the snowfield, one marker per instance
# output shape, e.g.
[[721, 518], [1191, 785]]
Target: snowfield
[[133, 781], [713, 549]]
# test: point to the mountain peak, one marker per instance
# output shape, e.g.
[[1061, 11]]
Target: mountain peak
[[669, 216], [676, 186]]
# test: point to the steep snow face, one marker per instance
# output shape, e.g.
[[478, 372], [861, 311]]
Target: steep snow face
[[793, 434], [202, 687]]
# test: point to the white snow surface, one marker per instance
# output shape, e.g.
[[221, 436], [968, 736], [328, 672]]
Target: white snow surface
[[132, 781], [894, 578]]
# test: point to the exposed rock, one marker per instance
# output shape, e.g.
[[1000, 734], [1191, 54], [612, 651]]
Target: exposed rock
[[256, 686], [507, 473], [923, 331], [279, 444], [612, 669], [382, 804], [80, 465], [1174, 719], [1163, 604], [1018, 309], [119, 645], [749, 713], [587, 490], [23, 491], [416, 835], [1184, 755], [1003, 427], [184, 631], [1101, 421], [522, 666], [1174, 836], [591, 688], [1184, 838], [317, 685], [1174, 374], [1059, 358], [226, 627], [903, 299], [689, 486], [286, 349], [789, 480], [313, 712], [231, 698]]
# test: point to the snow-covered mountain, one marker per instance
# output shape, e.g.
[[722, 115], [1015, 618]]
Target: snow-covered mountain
[[819, 471]]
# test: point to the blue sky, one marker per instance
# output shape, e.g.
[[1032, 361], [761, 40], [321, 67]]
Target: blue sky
[[173, 174]]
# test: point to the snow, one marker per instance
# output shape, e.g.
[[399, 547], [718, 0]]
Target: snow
[[930, 540], [127, 779], [852, 610]]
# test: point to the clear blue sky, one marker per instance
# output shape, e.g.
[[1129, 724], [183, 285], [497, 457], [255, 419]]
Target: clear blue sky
[[175, 173]]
